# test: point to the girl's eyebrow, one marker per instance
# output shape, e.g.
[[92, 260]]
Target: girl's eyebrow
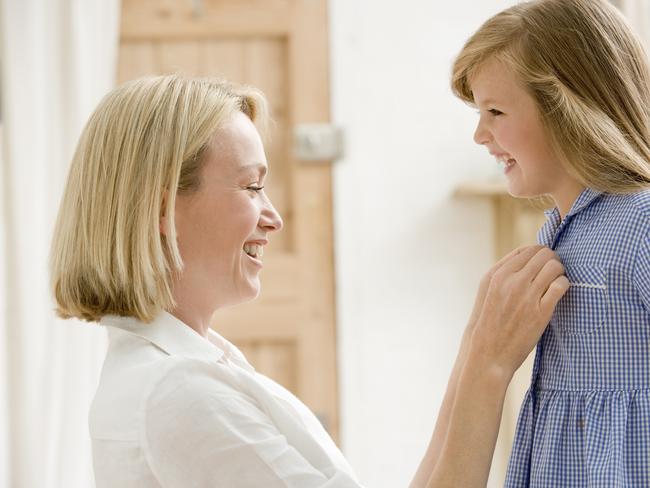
[[487, 101]]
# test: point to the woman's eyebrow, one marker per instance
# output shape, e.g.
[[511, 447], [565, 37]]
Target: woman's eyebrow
[[259, 167]]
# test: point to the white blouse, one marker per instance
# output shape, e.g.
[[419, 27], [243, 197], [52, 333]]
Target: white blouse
[[176, 410]]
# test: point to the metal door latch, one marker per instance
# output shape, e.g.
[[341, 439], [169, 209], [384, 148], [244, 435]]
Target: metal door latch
[[318, 142]]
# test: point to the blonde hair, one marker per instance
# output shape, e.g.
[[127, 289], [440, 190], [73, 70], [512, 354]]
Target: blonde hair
[[142, 145], [589, 76]]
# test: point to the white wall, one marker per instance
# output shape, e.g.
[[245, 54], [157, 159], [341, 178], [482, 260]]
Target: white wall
[[638, 14], [409, 256]]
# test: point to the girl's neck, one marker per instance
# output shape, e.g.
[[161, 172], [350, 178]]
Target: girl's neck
[[565, 197]]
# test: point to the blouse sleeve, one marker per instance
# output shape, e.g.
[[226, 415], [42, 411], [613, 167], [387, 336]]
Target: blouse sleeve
[[200, 433], [642, 271]]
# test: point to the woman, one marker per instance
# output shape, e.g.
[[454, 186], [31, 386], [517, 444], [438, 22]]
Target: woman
[[163, 221]]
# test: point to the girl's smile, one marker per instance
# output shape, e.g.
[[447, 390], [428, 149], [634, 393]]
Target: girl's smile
[[511, 128], [507, 161]]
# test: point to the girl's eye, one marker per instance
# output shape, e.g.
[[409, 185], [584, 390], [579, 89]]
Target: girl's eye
[[255, 188], [495, 112]]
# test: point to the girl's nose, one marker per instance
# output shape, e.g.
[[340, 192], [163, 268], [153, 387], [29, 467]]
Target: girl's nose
[[481, 135]]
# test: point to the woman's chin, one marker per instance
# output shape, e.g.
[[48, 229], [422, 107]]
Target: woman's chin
[[250, 292], [238, 296]]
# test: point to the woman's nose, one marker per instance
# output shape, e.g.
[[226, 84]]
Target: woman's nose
[[270, 219]]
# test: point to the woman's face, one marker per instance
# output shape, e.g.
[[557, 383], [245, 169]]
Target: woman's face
[[223, 226], [510, 127]]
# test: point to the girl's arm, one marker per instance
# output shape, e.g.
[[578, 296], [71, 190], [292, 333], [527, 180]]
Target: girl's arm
[[514, 303]]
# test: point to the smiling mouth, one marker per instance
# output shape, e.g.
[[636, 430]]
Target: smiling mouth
[[506, 161], [254, 250]]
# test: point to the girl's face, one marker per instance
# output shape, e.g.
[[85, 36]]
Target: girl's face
[[510, 127], [224, 225]]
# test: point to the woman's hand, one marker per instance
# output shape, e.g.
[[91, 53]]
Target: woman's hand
[[514, 305]]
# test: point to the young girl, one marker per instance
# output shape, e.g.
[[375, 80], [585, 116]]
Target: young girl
[[563, 92]]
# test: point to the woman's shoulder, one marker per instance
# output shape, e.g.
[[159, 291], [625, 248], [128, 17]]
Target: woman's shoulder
[[188, 377], [127, 392]]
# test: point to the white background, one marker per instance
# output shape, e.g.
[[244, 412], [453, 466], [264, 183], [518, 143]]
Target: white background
[[408, 254]]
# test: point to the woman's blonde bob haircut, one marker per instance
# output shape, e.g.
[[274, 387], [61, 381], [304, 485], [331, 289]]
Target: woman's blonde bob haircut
[[589, 76], [144, 143]]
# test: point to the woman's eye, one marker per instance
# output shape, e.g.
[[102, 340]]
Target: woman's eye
[[495, 112], [255, 188]]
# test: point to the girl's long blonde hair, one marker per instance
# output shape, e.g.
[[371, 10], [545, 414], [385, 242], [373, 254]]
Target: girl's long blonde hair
[[142, 145], [589, 76]]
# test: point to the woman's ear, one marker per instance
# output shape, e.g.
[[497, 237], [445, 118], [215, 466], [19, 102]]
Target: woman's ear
[[163, 222]]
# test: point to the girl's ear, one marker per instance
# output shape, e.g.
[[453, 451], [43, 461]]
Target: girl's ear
[[162, 224]]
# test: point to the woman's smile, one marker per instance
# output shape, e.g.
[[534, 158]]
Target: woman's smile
[[253, 252]]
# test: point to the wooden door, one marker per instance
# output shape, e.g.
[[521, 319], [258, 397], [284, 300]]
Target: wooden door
[[280, 46]]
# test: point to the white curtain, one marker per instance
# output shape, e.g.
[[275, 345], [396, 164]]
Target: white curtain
[[58, 59]]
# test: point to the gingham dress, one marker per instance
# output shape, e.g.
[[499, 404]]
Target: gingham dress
[[585, 421]]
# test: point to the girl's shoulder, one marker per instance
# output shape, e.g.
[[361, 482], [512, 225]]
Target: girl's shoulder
[[641, 201], [631, 207]]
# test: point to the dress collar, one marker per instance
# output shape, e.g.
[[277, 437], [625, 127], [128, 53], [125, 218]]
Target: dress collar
[[586, 197], [176, 338], [554, 222]]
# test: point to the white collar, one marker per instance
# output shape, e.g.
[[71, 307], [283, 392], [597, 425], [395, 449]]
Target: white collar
[[176, 338]]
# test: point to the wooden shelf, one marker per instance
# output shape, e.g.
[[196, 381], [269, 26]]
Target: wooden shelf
[[516, 220], [485, 188]]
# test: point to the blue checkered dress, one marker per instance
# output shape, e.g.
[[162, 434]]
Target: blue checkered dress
[[585, 421]]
